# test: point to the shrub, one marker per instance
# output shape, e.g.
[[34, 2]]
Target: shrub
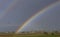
[[52, 33], [46, 33]]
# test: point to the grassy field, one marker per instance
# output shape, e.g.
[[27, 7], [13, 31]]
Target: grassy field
[[28, 35]]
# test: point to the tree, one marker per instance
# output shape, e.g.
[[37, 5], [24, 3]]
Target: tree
[[56, 32]]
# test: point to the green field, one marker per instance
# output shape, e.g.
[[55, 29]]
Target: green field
[[37, 36], [28, 35]]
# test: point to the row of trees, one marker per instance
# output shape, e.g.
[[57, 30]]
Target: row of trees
[[43, 32]]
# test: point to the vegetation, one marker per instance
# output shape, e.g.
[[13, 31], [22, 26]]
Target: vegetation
[[52, 33], [46, 33], [24, 34]]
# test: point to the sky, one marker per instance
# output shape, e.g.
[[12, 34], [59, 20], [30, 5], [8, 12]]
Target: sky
[[13, 13], [49, 20]]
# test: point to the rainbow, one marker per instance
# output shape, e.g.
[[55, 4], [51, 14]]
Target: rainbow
[[9, 8], [35, 15]]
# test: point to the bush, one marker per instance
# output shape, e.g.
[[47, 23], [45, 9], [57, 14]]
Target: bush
[[46, 33], [52, 33]]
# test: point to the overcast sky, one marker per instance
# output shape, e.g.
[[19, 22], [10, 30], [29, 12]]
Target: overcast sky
[[13, 14], [49, 20]]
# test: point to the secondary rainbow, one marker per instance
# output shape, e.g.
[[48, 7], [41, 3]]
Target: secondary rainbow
[[9, 8], [35, 15]]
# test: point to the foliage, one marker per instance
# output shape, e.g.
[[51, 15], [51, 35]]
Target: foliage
[[52, 33], [46, 33]]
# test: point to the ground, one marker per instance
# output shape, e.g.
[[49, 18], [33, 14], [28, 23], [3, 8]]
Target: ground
[[28, 35]]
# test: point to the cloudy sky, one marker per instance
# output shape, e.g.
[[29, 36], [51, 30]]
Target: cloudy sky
[[13, 13], [49, 20]]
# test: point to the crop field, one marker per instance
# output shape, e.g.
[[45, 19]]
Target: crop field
[[28, 35]]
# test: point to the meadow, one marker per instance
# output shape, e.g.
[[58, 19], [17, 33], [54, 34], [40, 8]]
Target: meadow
[[29, 35]]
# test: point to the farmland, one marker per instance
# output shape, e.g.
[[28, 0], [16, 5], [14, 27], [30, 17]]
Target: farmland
[[29, 35]]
